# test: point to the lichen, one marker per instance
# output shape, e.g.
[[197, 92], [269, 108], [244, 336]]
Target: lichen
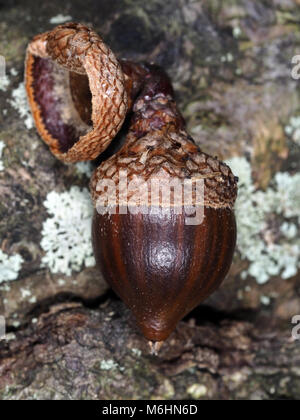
[[108, 364], [227, 58], [66, 234], [58, 19], [9, 266], [13, 72], [236, 32], [25, 293], [197, 391], [136, 352], [2, 145], [19, 102], [268, 223], [293, 129], [85, 168], [4, 83], [265, 300]]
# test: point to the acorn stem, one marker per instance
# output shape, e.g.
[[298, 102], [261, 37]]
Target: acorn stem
[[151, 98], [155, 346]]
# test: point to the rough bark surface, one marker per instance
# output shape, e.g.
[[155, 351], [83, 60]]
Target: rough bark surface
[[231, 66], [75, 352]]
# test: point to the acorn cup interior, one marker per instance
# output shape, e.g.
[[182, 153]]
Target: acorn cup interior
[[64, 100], [161, 267]]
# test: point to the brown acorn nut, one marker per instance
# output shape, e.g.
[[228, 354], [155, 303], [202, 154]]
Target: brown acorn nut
[[161, 266]]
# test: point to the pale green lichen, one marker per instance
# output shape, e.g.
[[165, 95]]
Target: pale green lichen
[[108, 364], [67, 232], [136, 352], [4, 83], [13, 72], [16, 324], [33, 299], [61, 282], [197, 391], [9, 266], [265, 300], [268, 232], [236, 32], [293, 129], [25, 293], [10, 336], [2, 145], [19, 102], [227, 58], [5, 287], [58, 19], [84, 168]]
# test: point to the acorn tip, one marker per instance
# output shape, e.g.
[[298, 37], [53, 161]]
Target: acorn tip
[[155, 346]]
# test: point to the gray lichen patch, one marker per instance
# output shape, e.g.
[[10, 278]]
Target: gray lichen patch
[[4, 82], [59, 19], [66, 234], [268, 223], [20, 103], [84, 168], [292, 129], [9, 266], [108, 364], [2, 146]]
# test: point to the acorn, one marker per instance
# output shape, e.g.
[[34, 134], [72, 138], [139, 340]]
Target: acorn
[[159, 265], [164, 229]]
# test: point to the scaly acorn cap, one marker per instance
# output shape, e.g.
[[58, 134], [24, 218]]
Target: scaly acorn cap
[[52, 58], [163, 156]]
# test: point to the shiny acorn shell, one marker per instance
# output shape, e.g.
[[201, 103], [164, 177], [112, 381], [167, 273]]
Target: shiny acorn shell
[[159, 266]]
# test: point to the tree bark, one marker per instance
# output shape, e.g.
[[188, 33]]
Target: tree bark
[[73, 352], [69, 337]]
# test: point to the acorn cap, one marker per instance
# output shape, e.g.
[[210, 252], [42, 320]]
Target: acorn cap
[[162, 156], [51, 58]]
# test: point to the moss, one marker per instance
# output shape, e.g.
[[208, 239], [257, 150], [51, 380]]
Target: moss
[[13, 43]]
